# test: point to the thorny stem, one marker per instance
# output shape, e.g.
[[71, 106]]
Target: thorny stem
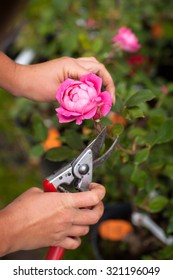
[[127, 151], [98, 126]]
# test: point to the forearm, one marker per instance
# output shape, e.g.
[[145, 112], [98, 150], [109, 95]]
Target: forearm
[[5, 232], [28, 81], [7, 72], [13, 76]]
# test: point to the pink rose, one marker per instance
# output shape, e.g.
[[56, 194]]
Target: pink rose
[[82, 99], [126, 40]]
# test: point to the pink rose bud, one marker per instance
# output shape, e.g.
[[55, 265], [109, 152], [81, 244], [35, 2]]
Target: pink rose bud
[[82, 99], [126, 40]]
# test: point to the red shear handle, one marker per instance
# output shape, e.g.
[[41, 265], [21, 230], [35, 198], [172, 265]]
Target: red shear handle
[[54, 253], [48, 187]]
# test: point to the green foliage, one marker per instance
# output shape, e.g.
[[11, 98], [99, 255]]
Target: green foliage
[[61, 154], [165, 133], [158, 203], [139, 98], [142, 162]]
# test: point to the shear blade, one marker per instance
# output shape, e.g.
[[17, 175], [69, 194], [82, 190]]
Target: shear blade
[[97, 143], [97, 162]]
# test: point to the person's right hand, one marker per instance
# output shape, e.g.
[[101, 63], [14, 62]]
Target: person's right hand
[[39, 219]]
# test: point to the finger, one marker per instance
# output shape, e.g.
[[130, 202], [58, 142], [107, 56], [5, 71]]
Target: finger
[[94, 185], [88, 58], [76, 70], [88, 216], [77, 230], [106, 78], [70, 243], [88, 198]]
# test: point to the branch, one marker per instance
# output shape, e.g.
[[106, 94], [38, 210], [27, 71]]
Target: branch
[[127, 151]]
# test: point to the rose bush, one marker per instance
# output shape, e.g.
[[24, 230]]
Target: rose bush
[[82, 99], [126, 40]]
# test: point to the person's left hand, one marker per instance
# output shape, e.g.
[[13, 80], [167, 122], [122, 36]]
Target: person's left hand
[[40, 82]]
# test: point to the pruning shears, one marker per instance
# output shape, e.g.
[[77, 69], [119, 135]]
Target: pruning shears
[[77, 175]]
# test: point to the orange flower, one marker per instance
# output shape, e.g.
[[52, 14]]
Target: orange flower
[[52, 140], [115, 230], [157, 31], [117, 118]]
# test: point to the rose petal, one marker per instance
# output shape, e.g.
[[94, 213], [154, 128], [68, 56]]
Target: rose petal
[[66, 113], [105, 105], [80, 105], [62, 88], [82, 99], [64, 119], [94, 79], [90, 114]]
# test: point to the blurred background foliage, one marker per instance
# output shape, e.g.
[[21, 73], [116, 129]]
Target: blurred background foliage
[[33, 142]]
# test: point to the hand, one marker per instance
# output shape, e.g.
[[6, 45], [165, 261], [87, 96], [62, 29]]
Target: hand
[[40, 82], [39, 219]]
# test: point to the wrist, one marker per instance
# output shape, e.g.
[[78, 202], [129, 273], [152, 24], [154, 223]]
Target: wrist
[[5, 233]]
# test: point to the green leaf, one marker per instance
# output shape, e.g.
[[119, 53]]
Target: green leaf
[[166, 253], [37, 151], [73, 139], [168, 171], [105, 121], [118, 106], [142, 156], [133, 113], [159, 157], [39, 129], [151, 138], [137, 131], [139, 177], [165, 133], [117, 129], [121, 89], [63, 153], [157, 116], [139, 97], [157, 203]]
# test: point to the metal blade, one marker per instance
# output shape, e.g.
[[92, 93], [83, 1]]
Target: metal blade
[[94, 146], [97, 162], [97, 143]]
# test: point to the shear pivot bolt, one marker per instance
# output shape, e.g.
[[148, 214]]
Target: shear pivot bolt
[[83, 169]]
